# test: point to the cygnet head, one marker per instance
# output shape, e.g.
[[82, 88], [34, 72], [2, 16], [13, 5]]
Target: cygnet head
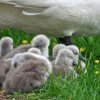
[[65, 57], [41, 42], [57, 48], [22, 57], [75, 51], [17, 59], [6, 45], [34, 50]]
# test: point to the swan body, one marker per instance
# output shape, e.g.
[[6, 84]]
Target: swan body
[[55, 17]]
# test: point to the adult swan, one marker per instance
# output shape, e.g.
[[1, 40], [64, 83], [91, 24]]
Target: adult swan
[[55, 17]]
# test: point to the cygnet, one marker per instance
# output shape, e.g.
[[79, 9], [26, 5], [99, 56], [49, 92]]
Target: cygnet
[[64, 62], [29, 75], [6, 45], [42, 43]]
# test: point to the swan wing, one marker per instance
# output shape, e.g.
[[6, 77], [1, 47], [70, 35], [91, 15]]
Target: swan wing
[[62, 16]]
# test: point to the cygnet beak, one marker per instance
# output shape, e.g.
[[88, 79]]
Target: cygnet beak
[[74, 63], [82, 58], [15, 64]]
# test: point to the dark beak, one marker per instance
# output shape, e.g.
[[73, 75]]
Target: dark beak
[[82, 58], [74, 63], [15, 64]]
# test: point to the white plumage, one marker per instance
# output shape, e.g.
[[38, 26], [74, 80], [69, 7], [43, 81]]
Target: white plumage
[[57, 17]]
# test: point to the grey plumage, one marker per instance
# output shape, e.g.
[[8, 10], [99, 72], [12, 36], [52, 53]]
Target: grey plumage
[[19, 49], [75, 51], [34, 50], [56, 49], [6, 45], [4, 69], [77, 55], [63, 62], [22, 57], [31, 74], [42, 43]]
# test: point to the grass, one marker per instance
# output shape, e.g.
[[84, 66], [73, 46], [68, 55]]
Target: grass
[[85, 87]]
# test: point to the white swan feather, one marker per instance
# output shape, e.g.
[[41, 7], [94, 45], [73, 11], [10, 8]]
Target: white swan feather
[[57, 17]]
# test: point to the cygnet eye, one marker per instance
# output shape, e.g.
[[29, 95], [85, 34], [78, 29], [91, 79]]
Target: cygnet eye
[[37, 46], [76, 53]]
